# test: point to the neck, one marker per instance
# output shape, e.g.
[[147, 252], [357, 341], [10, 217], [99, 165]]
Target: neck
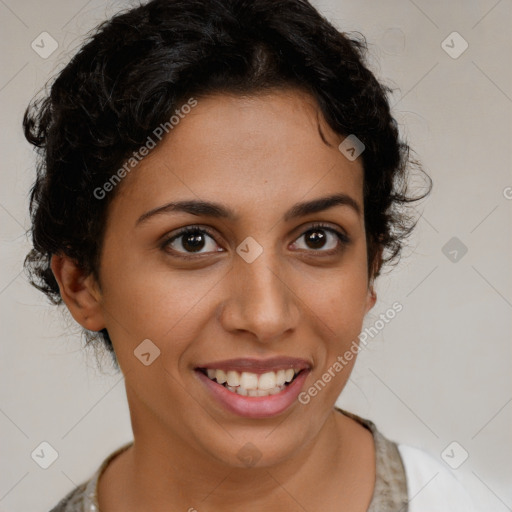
[[158, 472]]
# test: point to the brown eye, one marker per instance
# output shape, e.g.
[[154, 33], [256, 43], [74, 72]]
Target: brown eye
[[316, 238], [191, 240], [320, 238]]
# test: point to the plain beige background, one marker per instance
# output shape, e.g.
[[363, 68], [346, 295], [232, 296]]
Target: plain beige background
[[438, 373]]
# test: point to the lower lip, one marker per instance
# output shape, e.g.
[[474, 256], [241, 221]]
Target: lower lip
[[255, 406]]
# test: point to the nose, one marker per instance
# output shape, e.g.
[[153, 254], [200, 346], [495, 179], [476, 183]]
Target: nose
[[261, 300]]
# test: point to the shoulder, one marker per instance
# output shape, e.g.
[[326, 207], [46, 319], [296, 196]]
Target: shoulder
[[432, 487], [83, 498], [73, 501], [410, 479]]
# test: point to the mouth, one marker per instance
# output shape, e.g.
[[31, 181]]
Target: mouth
[[254, 388], [253, 384]]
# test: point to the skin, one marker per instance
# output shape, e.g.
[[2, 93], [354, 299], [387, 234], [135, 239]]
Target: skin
[[259, 155]]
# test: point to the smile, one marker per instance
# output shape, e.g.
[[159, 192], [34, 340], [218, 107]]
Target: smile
[[254, 388], [253, 384]]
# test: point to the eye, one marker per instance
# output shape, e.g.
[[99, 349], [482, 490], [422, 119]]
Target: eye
[[191, 240], [321, 238], [197, 240]]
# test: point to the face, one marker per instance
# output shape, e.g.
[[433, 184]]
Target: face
[[266, 279]]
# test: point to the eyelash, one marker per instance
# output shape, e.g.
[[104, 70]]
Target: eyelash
[[343, 239]]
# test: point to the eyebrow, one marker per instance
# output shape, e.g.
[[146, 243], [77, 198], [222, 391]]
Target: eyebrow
[[212, 209]]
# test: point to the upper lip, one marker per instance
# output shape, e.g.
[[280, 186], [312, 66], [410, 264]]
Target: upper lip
[[247, 364]]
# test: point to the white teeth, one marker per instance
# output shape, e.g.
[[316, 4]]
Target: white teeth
[[249, 380], [220, 376], [259, 392], [253, 384], [289, 374], [233, 379], [241, 391], [267, 380]]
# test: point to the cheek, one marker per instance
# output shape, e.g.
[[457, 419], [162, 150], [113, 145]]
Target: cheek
[[337, 296], [338, 308], [343, 311], [145, 301]]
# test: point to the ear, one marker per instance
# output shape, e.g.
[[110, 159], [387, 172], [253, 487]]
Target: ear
[[80, 292], [371, 298]]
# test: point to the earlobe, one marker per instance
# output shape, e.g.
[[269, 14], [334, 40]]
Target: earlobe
[[80, 292], [372, 295], [371, 298]]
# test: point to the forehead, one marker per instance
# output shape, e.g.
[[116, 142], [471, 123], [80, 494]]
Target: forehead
[[267, 149]]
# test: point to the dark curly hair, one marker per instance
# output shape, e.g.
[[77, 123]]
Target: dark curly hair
[[138, 67]]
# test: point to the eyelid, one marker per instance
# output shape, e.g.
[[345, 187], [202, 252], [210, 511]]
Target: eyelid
[[328, 226]]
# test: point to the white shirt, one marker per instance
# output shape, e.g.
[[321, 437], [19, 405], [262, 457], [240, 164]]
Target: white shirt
[[431, 485]]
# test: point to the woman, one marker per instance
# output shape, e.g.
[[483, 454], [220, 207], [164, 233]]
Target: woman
[[220, 185]]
